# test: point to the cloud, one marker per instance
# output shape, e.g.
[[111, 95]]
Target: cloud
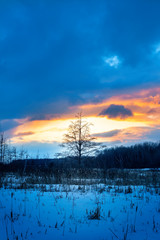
[[130, 135], [113, 61], [8, 124], [73, 36], [21, 134], [157, 49], [108, 134], [116, 111], [151, 111]]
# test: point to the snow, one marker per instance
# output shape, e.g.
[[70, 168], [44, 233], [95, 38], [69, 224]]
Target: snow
[[64, 212]]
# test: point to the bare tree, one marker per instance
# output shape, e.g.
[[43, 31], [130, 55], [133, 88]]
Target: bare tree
[[78, 140], [14, 153], [3, 147], [8, 153]]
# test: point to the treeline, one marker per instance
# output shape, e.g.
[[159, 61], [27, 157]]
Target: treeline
[[9, 153], [146, 155]]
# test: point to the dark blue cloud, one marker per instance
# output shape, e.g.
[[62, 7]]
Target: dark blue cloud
[[22, 134], [8, 124], [52, 52], [148, 134], [116, 111], [108, 134]]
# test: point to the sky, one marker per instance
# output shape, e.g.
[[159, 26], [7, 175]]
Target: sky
[[58, 58]]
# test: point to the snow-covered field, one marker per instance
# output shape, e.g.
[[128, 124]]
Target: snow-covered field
[[80, 212]]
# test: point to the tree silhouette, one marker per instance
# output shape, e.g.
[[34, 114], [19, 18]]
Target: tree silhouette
[[3, 147], [78, 139]]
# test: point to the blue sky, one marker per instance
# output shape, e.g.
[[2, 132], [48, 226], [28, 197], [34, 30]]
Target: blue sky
[[55, 55]]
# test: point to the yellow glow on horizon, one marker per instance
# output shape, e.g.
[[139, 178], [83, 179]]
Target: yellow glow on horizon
[[53, 130], [43, 131], [143, 104], [102, 124]]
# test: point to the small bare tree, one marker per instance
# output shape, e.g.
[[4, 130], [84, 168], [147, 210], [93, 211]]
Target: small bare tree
[[3, 147], [78, 139]]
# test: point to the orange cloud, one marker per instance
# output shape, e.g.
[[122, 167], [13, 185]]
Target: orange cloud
[[125, 135], [144, 107], [22, 134], [140, 103]]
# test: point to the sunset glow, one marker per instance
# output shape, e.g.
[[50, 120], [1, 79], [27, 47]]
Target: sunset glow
[[58, 59], [144, 106]]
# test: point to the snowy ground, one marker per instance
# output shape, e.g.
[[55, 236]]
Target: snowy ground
[[80, 212]]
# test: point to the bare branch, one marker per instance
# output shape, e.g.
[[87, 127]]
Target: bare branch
[[78, 139]]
